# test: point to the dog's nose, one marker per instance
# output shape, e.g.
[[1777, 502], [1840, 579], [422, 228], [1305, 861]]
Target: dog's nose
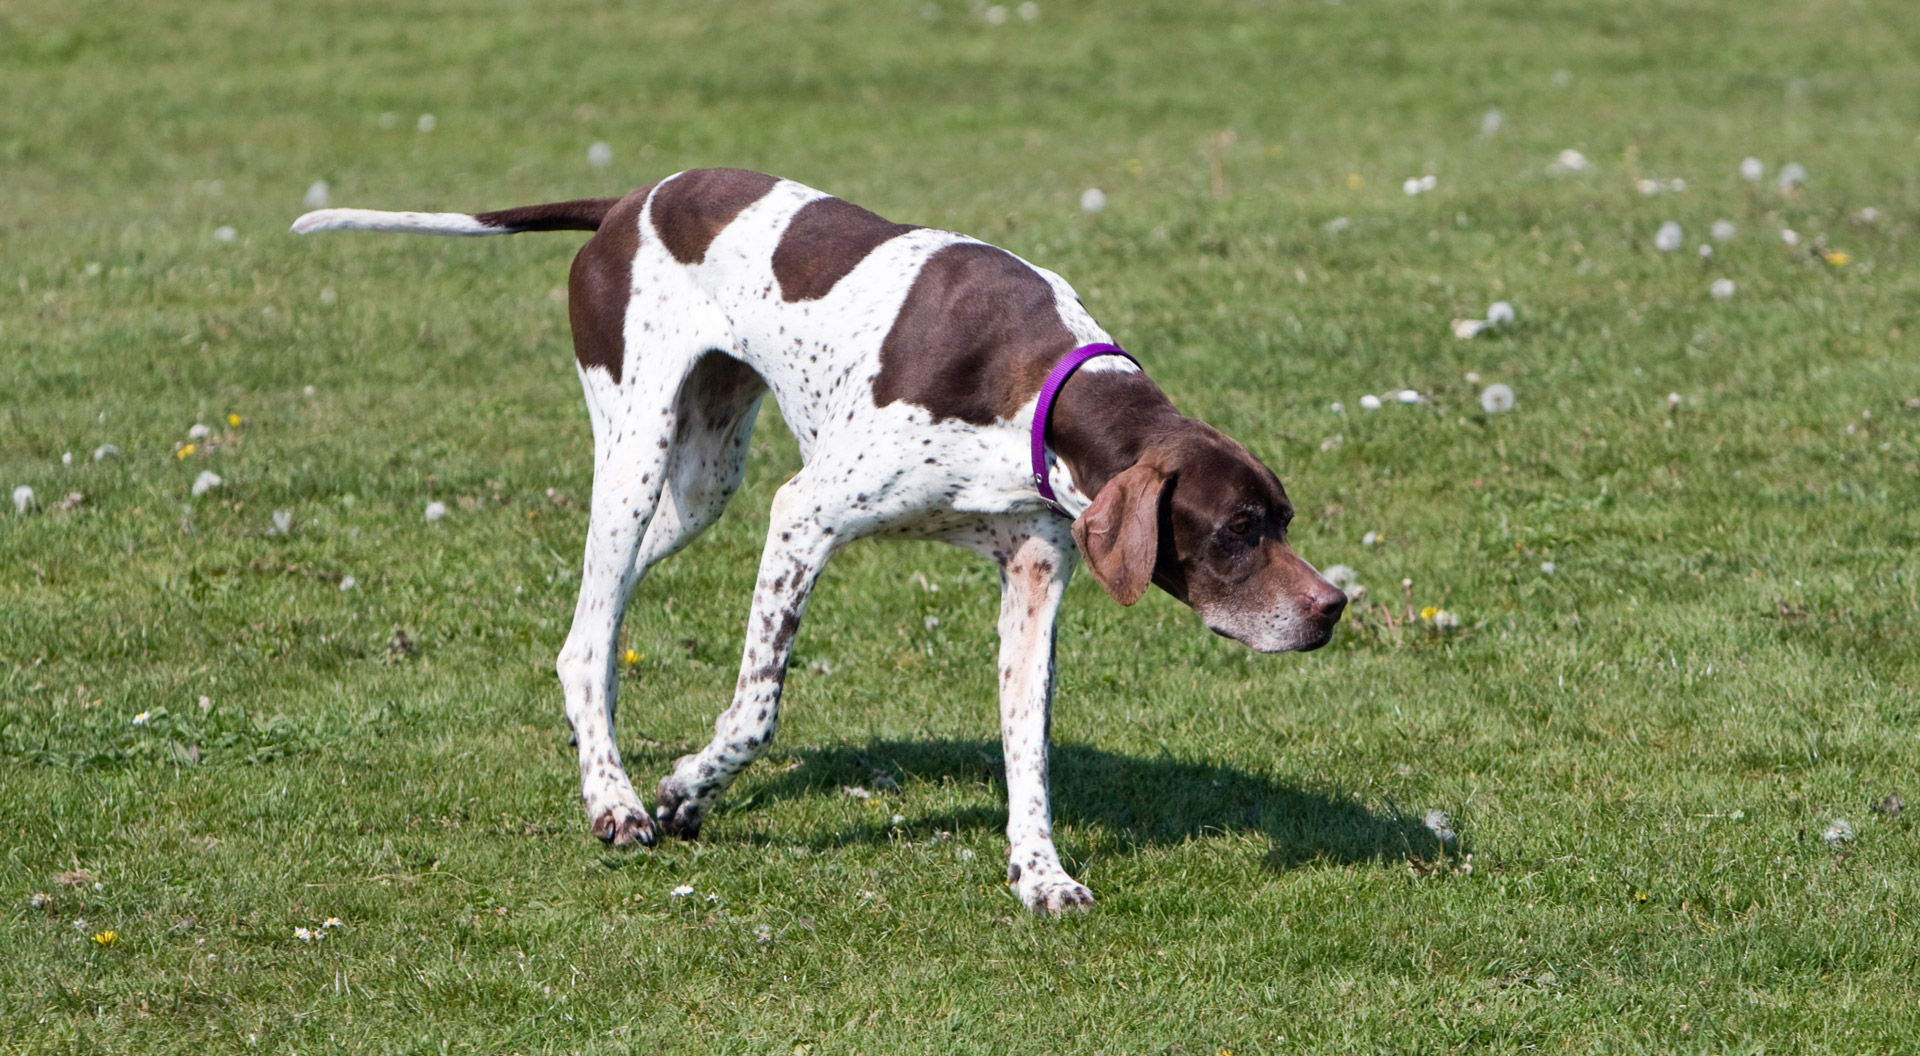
[[1328, 606]]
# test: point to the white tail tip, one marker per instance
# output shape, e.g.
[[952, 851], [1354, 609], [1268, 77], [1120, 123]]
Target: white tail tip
[[402, 223]]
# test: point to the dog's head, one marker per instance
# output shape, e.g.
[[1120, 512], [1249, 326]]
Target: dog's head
[[1206, 521]]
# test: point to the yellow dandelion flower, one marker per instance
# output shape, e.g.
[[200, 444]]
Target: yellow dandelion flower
[[632, 658], [185, 450], [105, 938], [1428, 612], [1355, 181], [233, 420], [1134, 166], [1837, 258]]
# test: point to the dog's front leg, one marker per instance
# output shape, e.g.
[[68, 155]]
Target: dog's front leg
[[1033, 576], [799, 542]]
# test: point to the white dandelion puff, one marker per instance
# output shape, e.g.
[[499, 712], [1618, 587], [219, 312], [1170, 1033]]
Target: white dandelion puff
[[1868, 215], [1411, 186], [1028, 11], [1752, 169], [1369, 402], [1491, 121], [1721, 289], [995, 15], [282, 522], [1468, 328], [1337, 225], [1648, 187], [1429, 182], [198, 432], [932, 622], [205, 482], [317, 195], [1673, 401], [1724, 230], [1337, 407], [1667, 239], [427, 123], [1370, 539], [1437, 822], [1341, 576], [1093, 200], [1789, 236], [348, 582], [1548, 568], [1837, 832], [1676, 185], [1792, 175], [1496, 399], [104, 452], [855, 792], [436, 510], [1446, 621], [66, 458], [600, 154], [1572, 160], [1500, 313], [225, 233], [22, 498], [1407, 396], [1705, 251]]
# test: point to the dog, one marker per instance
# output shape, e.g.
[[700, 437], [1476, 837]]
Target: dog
[[931, 382]]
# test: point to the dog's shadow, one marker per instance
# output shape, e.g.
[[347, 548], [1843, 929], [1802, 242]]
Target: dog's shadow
[[1114, 799]]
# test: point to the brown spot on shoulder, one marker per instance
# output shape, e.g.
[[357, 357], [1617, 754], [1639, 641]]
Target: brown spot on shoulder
[[693, 207], [975, 339], [601, 284], [827, 239]]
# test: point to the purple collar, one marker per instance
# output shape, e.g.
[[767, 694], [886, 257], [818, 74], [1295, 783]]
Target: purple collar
[[1043, 410]]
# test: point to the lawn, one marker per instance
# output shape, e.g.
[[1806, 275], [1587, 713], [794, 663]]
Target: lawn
[[283, 766]]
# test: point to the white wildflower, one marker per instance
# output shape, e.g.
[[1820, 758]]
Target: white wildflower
[[1837, 832], [600, 154], [1648, 187], [1440, 825], [1407, 396], [205, 482], [72, 500], [22, 498], [206, 705], [1445, 621], [1093, 200], [1491, 121], [1673, 401], [1473, 377], [66, 458], [1667, 239], [1369, 402], [317, 195], [332, 922], [1337, 407], [1500, 313], [1792, 175], [1676, 185], [1341, 576], [304, 934], [855, 792], [309, 390], [1721, 289], [104, 452], [427, 123], [932, 622], [682, 891], [1571, 160], [141, 719], [282, 522], [436, 510], [225, 233], [1370, 539], [1724, 230], [1548, 568], [1789, 236], [1752, 169], [898, 819], [1411, 186], [1705, 251], [199, 432], [348, 582], [1496, 399], [1429, 182]]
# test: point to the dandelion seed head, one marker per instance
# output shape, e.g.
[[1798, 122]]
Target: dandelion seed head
[[1752, 169], [348, 583], [1721, 289], [995, 15], [1093, 200], [1724, 230], [1571, 160], [22, 498], [1491, 121], [1341, 576], [436, 510], [1648, 187], [1370, 539], [1337, 407], [317, 195], [104, 452], [1548, 568], [600, 154], [1500, 313], [427, 123], [199, 431], [1337, 225], [1437, 822], [1705, 251], [1369, 402], [1028, 11], [225, 233], [205, 482], [1667, 239], [1673, 401], [1868, 215], [1407, 396], [1789, 236], [1444, 620], [1496, 399], [1792, 175], [1837, 832]]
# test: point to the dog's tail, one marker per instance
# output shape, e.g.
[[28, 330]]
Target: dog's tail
[[582, 215]]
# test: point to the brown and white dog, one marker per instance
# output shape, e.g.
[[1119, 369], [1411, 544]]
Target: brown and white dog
[[908, 363]]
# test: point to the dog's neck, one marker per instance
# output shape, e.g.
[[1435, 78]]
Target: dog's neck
[[1104, 421]]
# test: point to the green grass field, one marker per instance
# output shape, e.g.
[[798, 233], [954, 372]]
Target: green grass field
[[1643, 751]]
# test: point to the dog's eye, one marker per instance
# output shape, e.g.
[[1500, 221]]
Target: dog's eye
[[1243, 525]]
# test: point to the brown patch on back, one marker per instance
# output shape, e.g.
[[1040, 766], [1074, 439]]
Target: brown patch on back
[[585, 214], [827, 239], [601, 284], [693, 207], [975, 339]]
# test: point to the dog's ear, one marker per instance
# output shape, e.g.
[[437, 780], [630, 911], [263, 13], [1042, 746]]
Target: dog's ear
[[1119, 533]]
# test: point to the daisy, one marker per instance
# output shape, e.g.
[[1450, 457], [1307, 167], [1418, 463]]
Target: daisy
[[141, 719], [682, 891]]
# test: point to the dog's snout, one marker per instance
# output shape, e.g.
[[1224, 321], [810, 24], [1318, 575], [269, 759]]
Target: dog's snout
[[1329, 604]]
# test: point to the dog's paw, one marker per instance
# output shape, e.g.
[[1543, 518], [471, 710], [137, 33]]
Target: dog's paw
[[1049, 892], [623, 825], [678, 813]]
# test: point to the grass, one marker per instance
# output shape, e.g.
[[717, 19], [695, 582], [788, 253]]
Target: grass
[[1640, 751]]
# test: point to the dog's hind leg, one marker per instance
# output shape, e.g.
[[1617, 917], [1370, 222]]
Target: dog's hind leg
[[713, 421]]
